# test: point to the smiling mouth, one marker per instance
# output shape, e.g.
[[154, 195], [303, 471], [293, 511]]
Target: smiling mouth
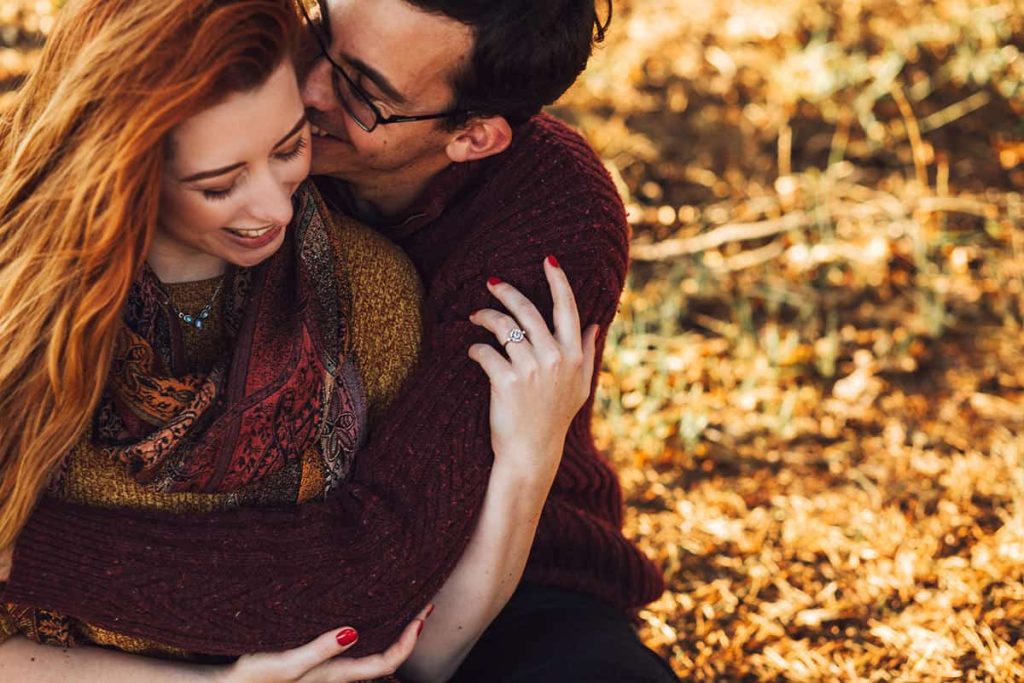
[[252, 234], [319, 132]]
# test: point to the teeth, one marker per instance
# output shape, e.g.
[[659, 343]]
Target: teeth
[[251, 234], [318, 131]]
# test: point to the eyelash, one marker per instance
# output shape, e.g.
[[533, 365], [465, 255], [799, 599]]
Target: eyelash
[[218, 194], [295, 153]]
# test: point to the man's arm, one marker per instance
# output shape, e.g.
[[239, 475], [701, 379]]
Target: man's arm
[[371, 556]]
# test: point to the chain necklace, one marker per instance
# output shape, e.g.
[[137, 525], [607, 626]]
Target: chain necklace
[[199, 319]]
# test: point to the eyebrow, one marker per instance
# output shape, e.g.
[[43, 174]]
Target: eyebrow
[[206, 175], [378, 79]]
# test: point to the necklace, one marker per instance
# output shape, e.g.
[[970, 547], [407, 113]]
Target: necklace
[[199, 319]]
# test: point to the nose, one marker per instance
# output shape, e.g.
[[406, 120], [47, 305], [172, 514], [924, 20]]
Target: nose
[[316, 88], [273, 200]]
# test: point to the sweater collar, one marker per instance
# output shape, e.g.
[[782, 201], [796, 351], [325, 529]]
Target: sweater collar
[[427, 208]]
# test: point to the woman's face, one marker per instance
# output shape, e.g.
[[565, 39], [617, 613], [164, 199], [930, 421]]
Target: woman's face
[[227, 185]]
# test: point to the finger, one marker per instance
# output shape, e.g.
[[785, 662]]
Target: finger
[[374, 666], [496, 366], [589, 355], [525, 312], [318, 651], [565, 313], [501, 325]]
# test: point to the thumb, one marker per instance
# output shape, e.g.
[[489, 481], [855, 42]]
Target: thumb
[[319, 650]]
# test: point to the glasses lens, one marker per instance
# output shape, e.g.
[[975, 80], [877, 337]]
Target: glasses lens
[[354, 100]]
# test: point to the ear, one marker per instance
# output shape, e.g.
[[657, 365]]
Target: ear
[[480, 138]]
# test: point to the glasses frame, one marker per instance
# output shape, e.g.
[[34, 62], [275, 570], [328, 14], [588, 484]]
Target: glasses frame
[[378, 118]]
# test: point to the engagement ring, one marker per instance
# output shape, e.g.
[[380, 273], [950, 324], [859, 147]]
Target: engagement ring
[[516, 336]]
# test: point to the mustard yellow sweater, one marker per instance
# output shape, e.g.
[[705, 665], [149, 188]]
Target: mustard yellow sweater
[[385, 332]]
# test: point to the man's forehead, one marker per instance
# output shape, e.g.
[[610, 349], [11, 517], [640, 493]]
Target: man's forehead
[[417, 51]]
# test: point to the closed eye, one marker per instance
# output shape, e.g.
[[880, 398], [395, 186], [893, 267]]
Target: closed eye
[[219, 194], [295, 152]]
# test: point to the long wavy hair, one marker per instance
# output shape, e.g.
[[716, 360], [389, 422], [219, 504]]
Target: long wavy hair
[[82, 148]]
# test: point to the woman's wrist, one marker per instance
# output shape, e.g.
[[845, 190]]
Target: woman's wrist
[[525, 471]]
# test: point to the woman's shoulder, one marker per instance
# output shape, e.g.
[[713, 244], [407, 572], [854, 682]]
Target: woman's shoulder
[[386, 323]]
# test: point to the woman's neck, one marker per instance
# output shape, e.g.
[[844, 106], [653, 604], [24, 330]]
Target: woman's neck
[[172, 264]]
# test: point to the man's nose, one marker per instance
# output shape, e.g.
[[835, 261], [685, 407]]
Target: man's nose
[[316, 88]]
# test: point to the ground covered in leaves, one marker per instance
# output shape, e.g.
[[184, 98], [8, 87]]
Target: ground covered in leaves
[[814, 392]]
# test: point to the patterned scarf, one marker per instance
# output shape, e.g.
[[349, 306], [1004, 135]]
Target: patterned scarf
[[286, 389]]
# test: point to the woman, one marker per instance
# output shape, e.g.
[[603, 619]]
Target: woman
[[179, 314]]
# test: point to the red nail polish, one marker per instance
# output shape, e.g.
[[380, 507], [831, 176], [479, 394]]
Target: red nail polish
[[553, 261], [430, 610], [346, 637], [494, 281], [419, 629]]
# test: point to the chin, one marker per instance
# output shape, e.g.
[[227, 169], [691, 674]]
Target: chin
[[253, 258]]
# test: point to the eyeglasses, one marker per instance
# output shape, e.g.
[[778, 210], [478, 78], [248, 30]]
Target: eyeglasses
[[354, 100]]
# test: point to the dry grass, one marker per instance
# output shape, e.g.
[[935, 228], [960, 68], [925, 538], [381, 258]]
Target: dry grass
[[815, 391]]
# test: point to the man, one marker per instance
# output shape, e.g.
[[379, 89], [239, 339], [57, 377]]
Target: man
[[425, 126], [425, 121]]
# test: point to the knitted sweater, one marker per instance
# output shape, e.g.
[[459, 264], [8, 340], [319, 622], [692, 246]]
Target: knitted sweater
[[374, 554], [384, 329]]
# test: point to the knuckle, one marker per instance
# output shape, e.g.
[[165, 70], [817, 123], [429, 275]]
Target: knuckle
[[503, 382], [552, 361]]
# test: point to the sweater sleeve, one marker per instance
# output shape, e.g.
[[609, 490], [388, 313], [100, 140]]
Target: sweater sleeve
[[252, 580], [381, 548]]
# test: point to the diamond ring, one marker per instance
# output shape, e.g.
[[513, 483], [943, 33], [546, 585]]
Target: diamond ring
[[515, 336]]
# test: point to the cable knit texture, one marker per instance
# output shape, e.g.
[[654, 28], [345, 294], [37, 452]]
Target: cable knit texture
[[226, 583]]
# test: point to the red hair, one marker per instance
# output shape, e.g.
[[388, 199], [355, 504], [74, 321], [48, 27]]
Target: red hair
[[82, 151]]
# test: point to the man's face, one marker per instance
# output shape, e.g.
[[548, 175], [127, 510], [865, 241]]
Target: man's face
[[403, 59]]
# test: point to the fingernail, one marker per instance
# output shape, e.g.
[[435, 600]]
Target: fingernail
[[553, 261], [346, 637], [430, 610], [419, 629], [494, 281]]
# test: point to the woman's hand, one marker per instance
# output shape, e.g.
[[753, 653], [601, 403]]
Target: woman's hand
[[537, 389], [316, 661]]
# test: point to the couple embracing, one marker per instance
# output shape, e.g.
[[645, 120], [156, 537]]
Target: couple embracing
[[249, 420]]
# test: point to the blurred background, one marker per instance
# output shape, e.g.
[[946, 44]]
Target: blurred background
[[815, 389]]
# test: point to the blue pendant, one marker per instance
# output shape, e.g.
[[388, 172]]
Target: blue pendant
[[188, 319], [199, 324]]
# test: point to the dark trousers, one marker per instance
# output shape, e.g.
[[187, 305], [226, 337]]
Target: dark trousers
[[545, 635]]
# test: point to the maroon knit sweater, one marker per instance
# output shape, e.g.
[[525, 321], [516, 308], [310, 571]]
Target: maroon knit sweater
[[256, 579]]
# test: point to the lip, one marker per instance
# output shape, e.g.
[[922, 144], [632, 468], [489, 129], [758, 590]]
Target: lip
[[256, 242], [329, 137]]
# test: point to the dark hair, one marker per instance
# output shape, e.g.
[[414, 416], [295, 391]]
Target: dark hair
[[526, 53]]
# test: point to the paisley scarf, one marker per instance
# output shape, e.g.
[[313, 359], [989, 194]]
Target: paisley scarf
[[287, 387]]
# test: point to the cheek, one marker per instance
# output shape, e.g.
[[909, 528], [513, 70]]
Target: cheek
[[187, 214], [302, 165]]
